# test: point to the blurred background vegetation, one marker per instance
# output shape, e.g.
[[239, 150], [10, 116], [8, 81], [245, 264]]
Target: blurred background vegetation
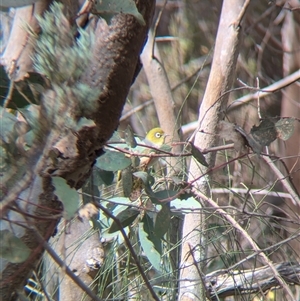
[[185, 36]]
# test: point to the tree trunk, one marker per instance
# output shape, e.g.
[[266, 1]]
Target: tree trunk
[[210, 113], [29, 206]]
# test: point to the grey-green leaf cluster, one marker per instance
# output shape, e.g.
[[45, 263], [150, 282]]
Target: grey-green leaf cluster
[[58, 56], [116, 6], [12, 248], [67, 195]]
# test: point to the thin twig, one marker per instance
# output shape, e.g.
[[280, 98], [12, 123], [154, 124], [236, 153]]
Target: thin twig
[[253, 191], [268, 249], [255, 247], [131, 250], [275, 87], [283, 179], [258, 99], [156, 25], [241, 15]]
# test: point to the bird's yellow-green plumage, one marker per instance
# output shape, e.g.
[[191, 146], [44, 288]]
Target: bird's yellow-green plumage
[[155, 138]]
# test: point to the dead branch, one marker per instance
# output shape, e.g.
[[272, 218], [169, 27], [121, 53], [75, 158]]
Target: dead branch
[[225, 283]]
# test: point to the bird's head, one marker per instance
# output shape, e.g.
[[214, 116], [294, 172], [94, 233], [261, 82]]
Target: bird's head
[[155, 137]]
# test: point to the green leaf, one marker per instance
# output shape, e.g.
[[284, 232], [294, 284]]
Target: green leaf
[[147, 179], [186, 206], [89, 192], [144, 176], [67, 195], [116, 202], [148, 247], [120, 200], [13, 248], [162, 222], [113, 161], [129, 137], [112, 7], [163, 196], [198, 155], [7, 124], [285, 128], [264, 133], [149, 229], [255, 145], [127, 181], [102, 177], [125, 217], [115, 138], [31, 88], [16, 3]]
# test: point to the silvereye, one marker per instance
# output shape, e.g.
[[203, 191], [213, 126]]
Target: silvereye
[[154, 138]]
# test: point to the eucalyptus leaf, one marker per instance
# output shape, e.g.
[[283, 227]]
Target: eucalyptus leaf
[[29, 88], [125, 217], [149, 229], [127, 181], [162, 222], [113, 7], [285, 128], [117, 202], [197, 154], [265, 132], [163, 196], [102, 177], [113, 161], [148, 247], [147, 179], [89, 192], [129, 137], [7, 124], [255, 145], [186, 206], [67, 195], [12, 248]]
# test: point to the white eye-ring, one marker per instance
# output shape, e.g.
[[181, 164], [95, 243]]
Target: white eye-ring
[[158, 135]]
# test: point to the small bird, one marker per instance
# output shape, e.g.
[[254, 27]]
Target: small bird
[[132, 185], [154, 138]]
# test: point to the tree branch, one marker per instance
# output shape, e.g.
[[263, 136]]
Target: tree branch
[[225, 283]]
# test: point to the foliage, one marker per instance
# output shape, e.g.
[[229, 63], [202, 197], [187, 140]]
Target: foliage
[[145, 202], [12, 248], [112, 7]]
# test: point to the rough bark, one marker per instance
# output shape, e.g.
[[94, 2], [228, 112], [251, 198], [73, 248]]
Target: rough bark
[[67, 154]]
